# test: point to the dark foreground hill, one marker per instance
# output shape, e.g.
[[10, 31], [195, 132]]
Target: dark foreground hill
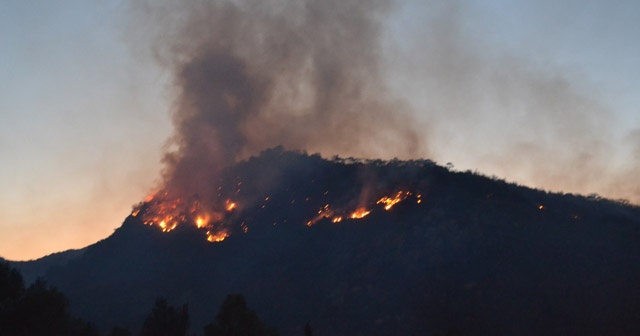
[[461, 254]]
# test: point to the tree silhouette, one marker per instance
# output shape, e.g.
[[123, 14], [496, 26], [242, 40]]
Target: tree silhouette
[[236, 319], [39, 309], [166, 320], [119, 331], [11, 283], [307, 330], [11, 289], [43, 309]]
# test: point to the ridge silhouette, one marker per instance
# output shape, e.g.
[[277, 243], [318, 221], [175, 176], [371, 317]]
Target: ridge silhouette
[[476, 255]]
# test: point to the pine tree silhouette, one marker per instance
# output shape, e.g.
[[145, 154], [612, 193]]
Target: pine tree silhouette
[[165, 320], [236, 319]]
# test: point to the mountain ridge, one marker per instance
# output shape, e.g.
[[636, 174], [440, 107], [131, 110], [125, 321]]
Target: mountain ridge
[[472, 254]]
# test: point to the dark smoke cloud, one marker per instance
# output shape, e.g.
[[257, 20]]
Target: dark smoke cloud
[[329, 76], [255, 74]]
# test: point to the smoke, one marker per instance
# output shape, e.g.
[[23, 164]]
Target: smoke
[[249, 75], [511, 115], [336, 77]]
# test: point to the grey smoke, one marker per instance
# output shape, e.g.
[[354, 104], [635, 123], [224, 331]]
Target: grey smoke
[[328, 76], [255, 74], [504, 114]]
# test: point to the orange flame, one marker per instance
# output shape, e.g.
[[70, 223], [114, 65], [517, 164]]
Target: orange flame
[[167, 213], [230, 206], [216, 237], [400, 196], [202, 221], [359, 213]]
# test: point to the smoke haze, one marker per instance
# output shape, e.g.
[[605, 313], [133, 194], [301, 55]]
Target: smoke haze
[[515, 117], [255, 74], [336, 77]]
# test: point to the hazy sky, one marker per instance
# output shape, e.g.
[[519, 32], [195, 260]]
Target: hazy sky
[[541, 92]]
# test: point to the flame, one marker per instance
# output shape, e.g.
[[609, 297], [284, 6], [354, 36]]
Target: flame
[[337, 216], [167, 213], [389, 202], [230, 206], [359, 213], [324, 212], [201, 221], [216, 237]]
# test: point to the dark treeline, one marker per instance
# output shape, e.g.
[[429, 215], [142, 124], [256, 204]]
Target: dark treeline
[[40, 309]]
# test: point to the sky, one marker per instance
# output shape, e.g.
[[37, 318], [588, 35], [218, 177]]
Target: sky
[[542, 93]]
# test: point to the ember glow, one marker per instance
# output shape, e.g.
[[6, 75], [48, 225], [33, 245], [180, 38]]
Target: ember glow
[[201, 221], [338, 216], [324, 212], [216, 219], [167, 213], [230, 206], [359, 213], [389, 202], [216, 237]]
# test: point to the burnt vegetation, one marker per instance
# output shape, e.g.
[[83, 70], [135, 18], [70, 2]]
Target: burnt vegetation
[[462, 253]]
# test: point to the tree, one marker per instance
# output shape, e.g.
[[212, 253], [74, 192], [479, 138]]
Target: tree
[[11, 290], [119, 331], [236, 319], [43, 309], [11, 283], [39, 309], [166, 320], [307, 330]]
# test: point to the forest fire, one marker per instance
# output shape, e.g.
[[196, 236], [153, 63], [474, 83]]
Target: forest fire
[[323, 213], [216, 237], [230, 206], [201, 222], [389, 202], [168, 213], [359, 213], [326, 212]]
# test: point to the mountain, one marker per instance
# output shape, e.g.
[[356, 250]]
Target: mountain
[[31, 269], [440, 252]]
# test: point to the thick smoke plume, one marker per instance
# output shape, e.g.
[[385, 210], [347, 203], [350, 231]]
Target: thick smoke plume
[[256, 74], [362, 78]]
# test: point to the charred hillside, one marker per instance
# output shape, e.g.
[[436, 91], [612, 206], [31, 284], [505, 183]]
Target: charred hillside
[[372, 248]]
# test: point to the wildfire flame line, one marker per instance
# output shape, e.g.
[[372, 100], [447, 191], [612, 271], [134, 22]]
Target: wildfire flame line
[[168, 213], [387, 202]]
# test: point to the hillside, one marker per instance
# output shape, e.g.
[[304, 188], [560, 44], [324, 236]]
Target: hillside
[[457, 253]]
